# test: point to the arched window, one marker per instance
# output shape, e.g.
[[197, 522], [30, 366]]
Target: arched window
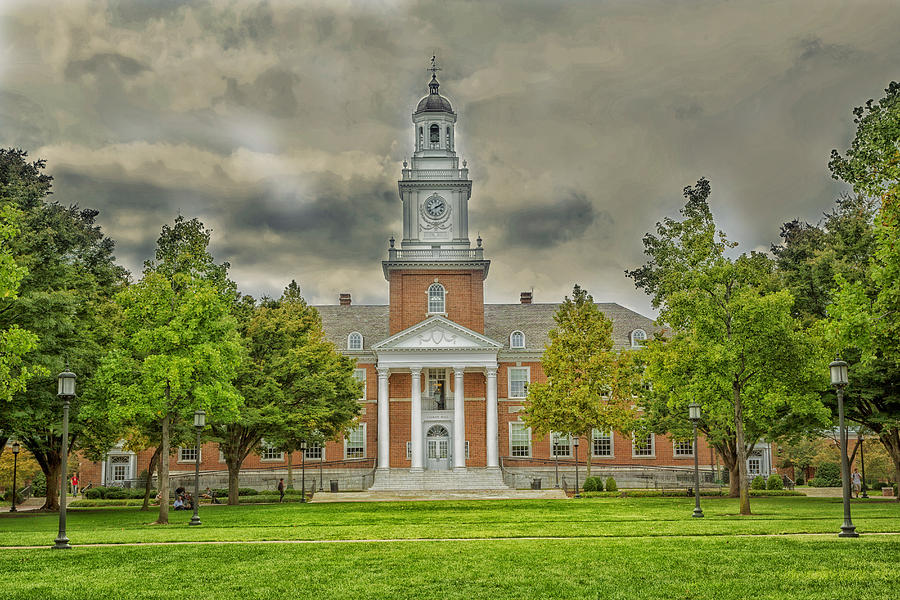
[[421, 137], [436, 294], [638, 337], [517, 339], [355, 341], [435, 134], [448, 138]]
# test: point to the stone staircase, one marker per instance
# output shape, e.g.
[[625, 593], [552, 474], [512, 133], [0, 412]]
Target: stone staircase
[[401, 480]]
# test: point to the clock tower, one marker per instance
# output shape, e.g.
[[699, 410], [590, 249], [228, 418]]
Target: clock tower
[[435, 250]]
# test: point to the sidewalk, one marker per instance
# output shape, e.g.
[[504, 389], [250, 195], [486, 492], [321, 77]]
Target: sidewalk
[[30, 504], [438, 495]]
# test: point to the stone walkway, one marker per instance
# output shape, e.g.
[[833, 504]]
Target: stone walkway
[[435, 495], [30, 504]]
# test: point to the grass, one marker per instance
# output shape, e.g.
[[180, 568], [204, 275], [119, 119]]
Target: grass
[[615, 548]]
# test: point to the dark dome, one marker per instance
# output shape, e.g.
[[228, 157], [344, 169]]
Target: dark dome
[[434, 103]]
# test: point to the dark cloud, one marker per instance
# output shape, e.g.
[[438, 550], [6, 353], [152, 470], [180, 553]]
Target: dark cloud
[[107, 64], [549, 224], [272, 93]]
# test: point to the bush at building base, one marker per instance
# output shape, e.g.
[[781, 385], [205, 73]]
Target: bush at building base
[[611, 484], [758, 483], [593, 484], [774, 482]]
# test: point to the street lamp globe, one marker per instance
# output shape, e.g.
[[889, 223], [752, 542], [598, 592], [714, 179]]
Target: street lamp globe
[[199, 419], [838, 373], [15, 447], [65, 384], [694, 412]]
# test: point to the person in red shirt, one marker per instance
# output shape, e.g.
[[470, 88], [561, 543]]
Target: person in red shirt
[[75, 484]]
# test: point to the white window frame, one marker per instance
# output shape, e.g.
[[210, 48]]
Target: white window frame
[[265, 448], [638, 336], [678, 450], [408, 450], [467, 449], [310, 446], [352, 340], [443, 307], [555, 439], [512, 337], [360, 427], [509, 390], [181, 451], [758, 461], [519, 425], [644, 451], [221, 456], [361, 375], [596, 436]]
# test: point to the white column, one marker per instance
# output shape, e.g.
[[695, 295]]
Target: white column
[[459, 420], [415, 422], [491, 437], [384, 429]]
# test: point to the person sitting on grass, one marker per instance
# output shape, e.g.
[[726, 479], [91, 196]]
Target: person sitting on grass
[[210, 495], [179, 503]]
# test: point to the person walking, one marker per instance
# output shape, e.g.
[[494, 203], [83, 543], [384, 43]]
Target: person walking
[[281, 490], [856, 481], [75, 484]]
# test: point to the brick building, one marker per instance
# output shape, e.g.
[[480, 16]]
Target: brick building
[[446, 374]]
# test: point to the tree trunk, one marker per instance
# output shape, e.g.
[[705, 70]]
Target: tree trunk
[[3, 440], [164, 474], [290, 473], [741, 450], [730, 462], [234, 470], [890, 439], [150, 469], [52, 473], [588, 452]]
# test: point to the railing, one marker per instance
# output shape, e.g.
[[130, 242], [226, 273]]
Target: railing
[[439, 174], [436, 253]]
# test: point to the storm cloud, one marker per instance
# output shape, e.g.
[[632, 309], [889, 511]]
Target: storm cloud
[[283, 125]]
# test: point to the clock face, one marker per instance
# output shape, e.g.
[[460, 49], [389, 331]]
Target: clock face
[[435, 207]]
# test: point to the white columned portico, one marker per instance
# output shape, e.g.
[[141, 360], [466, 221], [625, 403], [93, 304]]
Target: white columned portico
[[384, 429], [415, 425], [491, 428], [459, 419]]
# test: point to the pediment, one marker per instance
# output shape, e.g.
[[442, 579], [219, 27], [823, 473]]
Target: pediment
[[437, 333]]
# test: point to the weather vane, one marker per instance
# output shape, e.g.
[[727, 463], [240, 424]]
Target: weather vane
[[433, 68]]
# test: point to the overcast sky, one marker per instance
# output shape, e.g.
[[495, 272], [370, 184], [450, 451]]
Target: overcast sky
[[283, 126]]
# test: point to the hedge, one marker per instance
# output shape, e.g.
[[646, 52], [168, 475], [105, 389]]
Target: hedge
[[647, 493]]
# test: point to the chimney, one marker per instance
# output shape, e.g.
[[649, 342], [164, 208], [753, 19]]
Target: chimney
[[344, 298], [525, 297]]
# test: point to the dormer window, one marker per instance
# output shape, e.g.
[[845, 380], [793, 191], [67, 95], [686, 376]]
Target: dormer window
[[355, 341], [517, 339], [638, 337], [436, 297]]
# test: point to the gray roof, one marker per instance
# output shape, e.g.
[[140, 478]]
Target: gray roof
[[434, 103], [500, 320]]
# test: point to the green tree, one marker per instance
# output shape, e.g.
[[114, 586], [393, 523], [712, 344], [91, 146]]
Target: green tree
[[65, 299], [733, 346], [589, 384], [864, 318], [294, 382], [180, 350]]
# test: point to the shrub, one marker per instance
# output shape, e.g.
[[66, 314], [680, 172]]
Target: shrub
[[116, 494], [223, 492], [799, 479], [593, 484], [774, 482], [39, 485], [828, 475], [759, 483], [611, 484], [93, 494]]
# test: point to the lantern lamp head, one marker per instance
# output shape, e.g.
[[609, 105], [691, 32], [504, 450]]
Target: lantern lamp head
[[694, 412], [838, 373], [66, 384], [303, 444], [575, 441], [199, 419], [15, 447]]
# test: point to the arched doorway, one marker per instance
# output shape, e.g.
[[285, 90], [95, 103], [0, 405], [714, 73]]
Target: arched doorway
[[437, 446]]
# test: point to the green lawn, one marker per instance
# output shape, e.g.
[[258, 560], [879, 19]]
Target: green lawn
[[647, 548]]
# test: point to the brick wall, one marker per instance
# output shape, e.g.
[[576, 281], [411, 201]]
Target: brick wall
[[464, 300]]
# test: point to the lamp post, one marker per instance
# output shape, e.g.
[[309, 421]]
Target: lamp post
[[15, 449], [839, 380], [65, 390], [303, 471], [862, 461], [199, 424], [575, 443], [694, 416]]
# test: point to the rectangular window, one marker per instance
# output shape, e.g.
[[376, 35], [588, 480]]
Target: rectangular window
[[684, 448], [519, 439], [518, 382], [271, 453], [355, 444], [601, 443], [314, 451], [560, 444], [754, 466], [467, 449], [360, 376], [408, 450], [187, 454], [643, 446]]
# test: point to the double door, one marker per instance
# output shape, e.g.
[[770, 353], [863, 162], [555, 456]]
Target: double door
[[437, 448]]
